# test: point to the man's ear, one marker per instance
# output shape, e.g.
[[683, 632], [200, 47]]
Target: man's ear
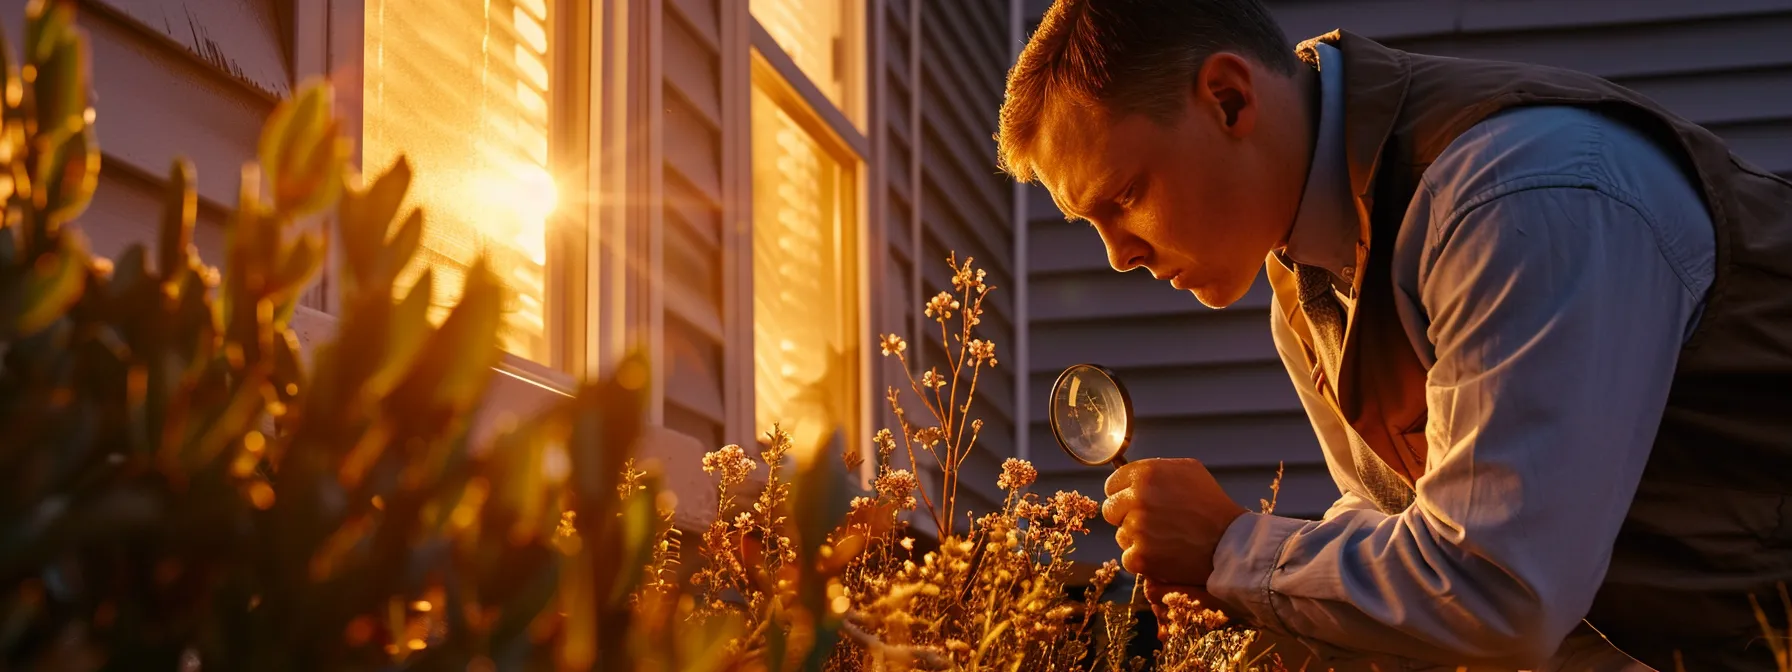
[[1225, 90]]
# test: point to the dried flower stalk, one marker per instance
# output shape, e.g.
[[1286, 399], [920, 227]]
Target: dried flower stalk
[[990, 596]]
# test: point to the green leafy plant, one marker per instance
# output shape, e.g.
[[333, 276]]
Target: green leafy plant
[[186, 489]]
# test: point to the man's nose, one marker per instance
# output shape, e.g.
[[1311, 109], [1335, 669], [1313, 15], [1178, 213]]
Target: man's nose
[[1125, 251]]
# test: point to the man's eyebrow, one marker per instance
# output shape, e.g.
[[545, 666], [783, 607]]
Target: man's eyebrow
[[1068, 216], [1106, 186]]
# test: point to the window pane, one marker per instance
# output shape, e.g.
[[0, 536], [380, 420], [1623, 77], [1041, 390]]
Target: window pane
[[810, 31], [804, 317], [461, 87]]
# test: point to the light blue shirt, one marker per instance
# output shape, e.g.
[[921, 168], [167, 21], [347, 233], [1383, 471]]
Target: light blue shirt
[[1548, 270]]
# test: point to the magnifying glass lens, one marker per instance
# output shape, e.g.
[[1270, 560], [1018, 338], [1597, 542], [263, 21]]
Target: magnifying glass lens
[[1090, 415]]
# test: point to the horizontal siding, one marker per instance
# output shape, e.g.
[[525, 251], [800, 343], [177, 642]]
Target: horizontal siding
[[1177, 339], [243, 39], [127, 209], [693, 334], [1622, 52], [1100, 293], [963, 203], [896, 300], [1194, 392], [1720, 63], [155, 100], [693, 380], [1208, 383]]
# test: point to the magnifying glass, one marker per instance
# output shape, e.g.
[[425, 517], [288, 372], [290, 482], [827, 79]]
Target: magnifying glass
[[1091, 415]]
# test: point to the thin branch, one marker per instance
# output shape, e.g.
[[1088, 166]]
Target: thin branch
[[908, 444], [916, 386], [928, 658], [946, 347], [976, 368]]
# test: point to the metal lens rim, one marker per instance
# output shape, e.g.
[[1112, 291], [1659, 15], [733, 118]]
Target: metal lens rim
[[1125, 400]]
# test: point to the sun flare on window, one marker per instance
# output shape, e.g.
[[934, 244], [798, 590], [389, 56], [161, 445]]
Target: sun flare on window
[[462, 87]]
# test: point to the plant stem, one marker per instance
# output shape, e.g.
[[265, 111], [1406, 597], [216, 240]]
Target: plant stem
[[916, 387], [976, 368], [952, 398], [908, 445], [987, 640]]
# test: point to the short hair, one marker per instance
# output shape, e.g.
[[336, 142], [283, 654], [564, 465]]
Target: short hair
[[1126, 57]]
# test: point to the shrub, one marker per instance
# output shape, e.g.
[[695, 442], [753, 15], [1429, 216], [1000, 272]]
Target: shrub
[[183, 491]]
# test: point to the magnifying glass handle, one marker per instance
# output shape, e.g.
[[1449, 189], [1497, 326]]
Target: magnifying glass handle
[[1118, 461]]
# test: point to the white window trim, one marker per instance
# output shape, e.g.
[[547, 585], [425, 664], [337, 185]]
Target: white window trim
[[840, 126], [738, 391], [329, 39], [619, 306], [845, 131], [622, 301]]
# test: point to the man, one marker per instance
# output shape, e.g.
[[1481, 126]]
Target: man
[[1542, 327]]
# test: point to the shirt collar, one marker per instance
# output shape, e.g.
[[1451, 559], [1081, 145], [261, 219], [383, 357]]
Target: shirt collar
[[1326, 232]]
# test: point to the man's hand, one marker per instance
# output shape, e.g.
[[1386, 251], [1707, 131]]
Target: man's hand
[[1170, 514]]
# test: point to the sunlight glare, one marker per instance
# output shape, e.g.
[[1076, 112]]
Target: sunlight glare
[[462, 88]]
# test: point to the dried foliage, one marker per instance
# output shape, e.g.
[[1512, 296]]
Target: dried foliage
[[183, 489], [991, 594]]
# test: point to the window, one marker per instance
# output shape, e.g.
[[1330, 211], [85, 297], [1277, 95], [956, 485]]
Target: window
[[462, 87], [813, 33], [806, 337]]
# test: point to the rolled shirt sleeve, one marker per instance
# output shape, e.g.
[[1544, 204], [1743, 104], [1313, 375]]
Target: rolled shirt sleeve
[[1556, 319]]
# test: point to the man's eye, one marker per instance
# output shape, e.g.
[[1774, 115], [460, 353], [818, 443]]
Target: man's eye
[[1127, 197]]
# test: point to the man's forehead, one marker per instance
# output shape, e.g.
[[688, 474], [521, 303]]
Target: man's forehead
[[1071, 158]]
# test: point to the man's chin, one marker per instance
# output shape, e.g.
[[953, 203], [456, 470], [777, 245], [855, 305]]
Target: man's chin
[[1213, 297]]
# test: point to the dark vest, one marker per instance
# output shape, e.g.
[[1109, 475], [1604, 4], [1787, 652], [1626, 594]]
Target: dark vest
[[1712, 520]]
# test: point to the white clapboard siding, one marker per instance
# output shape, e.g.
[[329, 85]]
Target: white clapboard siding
[[1207, 383]]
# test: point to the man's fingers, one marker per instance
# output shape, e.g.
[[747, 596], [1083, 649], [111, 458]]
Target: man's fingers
[[1123, 538], [1118, 504], [1132, 560], [1123, 477]]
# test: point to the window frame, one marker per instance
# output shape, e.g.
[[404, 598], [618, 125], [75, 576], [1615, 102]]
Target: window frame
[[591, 100], [839, 130], [607, 135], [330, 39]]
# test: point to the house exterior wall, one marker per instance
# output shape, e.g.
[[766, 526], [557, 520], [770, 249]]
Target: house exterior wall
[[941, 63], [666, 267], [156, 99], [1207, 383], [695, 337]]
